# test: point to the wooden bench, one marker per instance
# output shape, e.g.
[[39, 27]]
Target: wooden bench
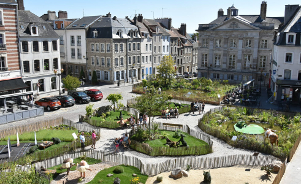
[[172, 124]]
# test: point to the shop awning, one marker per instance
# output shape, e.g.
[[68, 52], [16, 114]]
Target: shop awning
[[13, 84]]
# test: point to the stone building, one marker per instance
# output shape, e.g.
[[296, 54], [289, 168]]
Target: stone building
[[237, 47]]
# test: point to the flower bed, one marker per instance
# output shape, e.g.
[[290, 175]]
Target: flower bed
[[220, 124]]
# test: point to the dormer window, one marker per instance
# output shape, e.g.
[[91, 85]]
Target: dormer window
[[34, 30], [119, 33], [290, 39], [95, 33]]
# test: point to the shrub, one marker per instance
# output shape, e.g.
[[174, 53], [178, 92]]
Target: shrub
[[89, 110], [56, 140], [159, 179], [118, 170], [33, 149]]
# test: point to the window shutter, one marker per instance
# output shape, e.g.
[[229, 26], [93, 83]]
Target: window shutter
[[211, 76], [221, 76], [225, 77], [240, 77], [235, 77]]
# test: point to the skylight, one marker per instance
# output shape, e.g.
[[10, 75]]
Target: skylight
[[74, 25], [83, 25]]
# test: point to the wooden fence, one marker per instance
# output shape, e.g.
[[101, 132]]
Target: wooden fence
[[280, 174]]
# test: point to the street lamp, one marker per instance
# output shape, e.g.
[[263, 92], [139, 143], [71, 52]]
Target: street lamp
[[59, 74]]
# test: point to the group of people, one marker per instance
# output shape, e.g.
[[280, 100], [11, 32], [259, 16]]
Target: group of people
[[83, 140], [197, 106], [169, 112], [122, 141]]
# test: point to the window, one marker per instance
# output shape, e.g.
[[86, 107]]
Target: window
[[247, 61], [92, 47], [134, 59], [290, 39], [122, 75], [233, 43], [155, 49], [98, 75], [108, 47], [150, 58], [264, 44], [217, 60], [218, 43], [79, 54], [134, 46], [45, 45], [159, 59], [53, 82], [262, 62], [92, 61], [72, 52], [287, 74], [79, 40], [3, 64], [25, 46], [130, 60], [204, 60], [138, 59], [54, 45], [130, 47], [97, 47], [146, 47], [159, 50], [103, 62], [146, 59], [288, 57], [142, 59], [26, 66], [205, 43], [150, 47], [108, 62], [106, 75], [72, 40], [230, 77], [231, 62], [1, 19], [97, 61], [116, 61], [121, 47], [116, 47], [155, 59], [35, 45], [36, 65], [117, 75], [138, 46], [121, 61], [102, 47], [34, 30], [55, 63], [41, 82], [76, 69], [163, 48], [95, 33], [46, 64], [248, 43], [61, 40], [215, 75]]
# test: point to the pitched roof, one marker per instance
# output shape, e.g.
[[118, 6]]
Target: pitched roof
[[294, 25], [8, 2], [28, 19], [152, 24], [83, 23]]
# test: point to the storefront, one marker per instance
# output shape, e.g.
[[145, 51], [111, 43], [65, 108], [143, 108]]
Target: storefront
[[288, 90]]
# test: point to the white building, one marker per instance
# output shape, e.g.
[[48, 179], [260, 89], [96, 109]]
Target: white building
[[39, 53], [286, 63]]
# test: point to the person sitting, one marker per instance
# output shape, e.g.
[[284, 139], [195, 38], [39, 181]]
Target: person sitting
[[125, 139], [167, 114], [172, 112]]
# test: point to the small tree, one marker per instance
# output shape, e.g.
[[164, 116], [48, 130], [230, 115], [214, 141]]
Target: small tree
[[89, 110], [166, 70], [71, 83], [113, 98], [94, 78]]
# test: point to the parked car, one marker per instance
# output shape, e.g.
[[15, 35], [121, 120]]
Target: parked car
[[178, 75], [186, 74], [81, 97], [95, 94], [50, 103], [66, 100], [195, 74]]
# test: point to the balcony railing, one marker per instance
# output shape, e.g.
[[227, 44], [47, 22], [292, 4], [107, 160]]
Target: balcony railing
[[2, 46]]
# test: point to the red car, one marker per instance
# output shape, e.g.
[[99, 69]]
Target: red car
[[95, 94], [49, 103]]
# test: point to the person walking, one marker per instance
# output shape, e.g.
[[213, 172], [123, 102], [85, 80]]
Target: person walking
[[203, 107], [191, 108], [200, 106], [116, 142], [82, 141], [93, 139]]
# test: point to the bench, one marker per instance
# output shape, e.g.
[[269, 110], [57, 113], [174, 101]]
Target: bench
[[172, 124]]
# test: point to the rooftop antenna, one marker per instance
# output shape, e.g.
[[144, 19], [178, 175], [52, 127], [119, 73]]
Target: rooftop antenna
[[153, 15]]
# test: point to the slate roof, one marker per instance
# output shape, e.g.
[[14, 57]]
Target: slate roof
[[294, 25], [27, 19], [152, 25], [8, 1], [83, 23]]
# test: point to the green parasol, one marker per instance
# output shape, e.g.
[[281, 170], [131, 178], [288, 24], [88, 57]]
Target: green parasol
[[250, 129]]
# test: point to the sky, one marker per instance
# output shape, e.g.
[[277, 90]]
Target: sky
[[191, 12]]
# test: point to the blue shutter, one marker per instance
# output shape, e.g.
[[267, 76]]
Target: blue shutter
[[225, 77], [235, 77]]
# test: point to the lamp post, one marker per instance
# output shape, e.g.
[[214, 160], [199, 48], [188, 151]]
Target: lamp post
[[59, 74]]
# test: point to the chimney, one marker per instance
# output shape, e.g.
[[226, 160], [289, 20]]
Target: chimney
[[114, 18], [108, 14], [263, 10], [220, 13], [169, 23], [182, 29], [63, 14], [20, 5], [51, 15], [229, 13], [289, 12], [140, 18]]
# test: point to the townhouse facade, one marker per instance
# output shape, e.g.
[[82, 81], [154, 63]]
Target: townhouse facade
[[39, 53], [10, 73], [237, 47], [285, 80]]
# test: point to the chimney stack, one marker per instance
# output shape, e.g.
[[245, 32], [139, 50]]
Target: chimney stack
[[108, 14], [289, 12], [183, 29], [229, 13], [140, 18], [62, 15], [263, 10], [20, 5], [220, 13], [51, 15]]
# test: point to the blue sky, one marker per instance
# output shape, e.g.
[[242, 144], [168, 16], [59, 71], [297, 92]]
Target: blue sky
[[191, 12]]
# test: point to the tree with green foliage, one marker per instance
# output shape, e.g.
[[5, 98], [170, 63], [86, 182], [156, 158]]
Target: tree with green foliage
[[195, 36], [94, 78], [71, 83], [151, 102], [89, 110], [114, 98], [166, 70]]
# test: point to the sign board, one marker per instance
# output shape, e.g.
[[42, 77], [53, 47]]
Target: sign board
[[274, 72], [74, 135]]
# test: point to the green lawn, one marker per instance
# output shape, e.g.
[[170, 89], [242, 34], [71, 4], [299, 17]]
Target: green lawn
[[113, 116], [191, 141], [38, 150], [45, 135], [125, 177]]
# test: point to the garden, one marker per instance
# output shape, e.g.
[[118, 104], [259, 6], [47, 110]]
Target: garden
[[155, 142], [201, 89], [222, 124]]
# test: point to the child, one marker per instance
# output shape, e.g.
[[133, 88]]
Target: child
[[116, 142], [82, 167]]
